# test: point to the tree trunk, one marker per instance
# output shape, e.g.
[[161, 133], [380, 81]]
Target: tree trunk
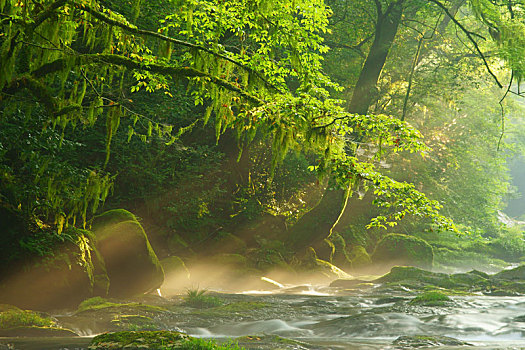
[[314, 226], [366, 88]]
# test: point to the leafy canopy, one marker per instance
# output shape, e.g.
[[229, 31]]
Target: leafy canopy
[[255, 65]]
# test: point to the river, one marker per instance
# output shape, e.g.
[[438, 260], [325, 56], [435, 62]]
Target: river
[[320, 317]]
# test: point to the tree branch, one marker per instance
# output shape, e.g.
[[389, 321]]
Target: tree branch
[[104, 18], [64, 63], [469, 35], [356, 48]]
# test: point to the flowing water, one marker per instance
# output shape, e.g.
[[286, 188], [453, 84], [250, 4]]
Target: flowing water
[[328, 318]]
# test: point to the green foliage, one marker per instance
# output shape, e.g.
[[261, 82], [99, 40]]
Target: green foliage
[[75, 74], [510, 244], [197, 298]]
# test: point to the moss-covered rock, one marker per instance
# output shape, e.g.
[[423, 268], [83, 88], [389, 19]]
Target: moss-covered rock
[[74, 271], [35, 331], [135, 323], [131, 264], [98, 303], [515, 274], [111, 217], [359, 257], [349, 283], [399, 249], [136, 340], [25, 323], [470, 279], [176, 275], [271, 342], [415, 277], [431, 298], [425, 341], [321, 268], [269, 257], [152, 340]]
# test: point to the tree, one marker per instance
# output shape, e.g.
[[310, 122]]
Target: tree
[[254, 67], [387, 17]]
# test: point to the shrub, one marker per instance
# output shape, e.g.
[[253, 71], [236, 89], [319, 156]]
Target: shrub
[[197, 298]]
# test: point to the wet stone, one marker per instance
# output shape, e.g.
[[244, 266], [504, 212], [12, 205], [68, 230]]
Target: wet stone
[[423, 341]]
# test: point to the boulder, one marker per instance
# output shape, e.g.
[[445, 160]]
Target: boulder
[[412, 276], [321, 269], [359, 257], [268, 256], [34, 331], [431, 298], [426, 341], [73, 272], [131, 264], [25, 323], [111, 217], [349, 283], [399, 249], [515, 274], [176, 275]]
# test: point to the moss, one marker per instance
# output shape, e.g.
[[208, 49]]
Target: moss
[[132, 265], [359, 257], [517, 273], [403, 249], [174, 264], [118, 340], [249, 340], [154, 340], [37, 331], [7, 307], [20, 318], [420, 341], [134, 323], [470, 279], [415, 276], [112, 217], [431, 298], [98, 303], [350, 283]]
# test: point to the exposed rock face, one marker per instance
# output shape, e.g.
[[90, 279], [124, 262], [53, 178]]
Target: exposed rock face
[[131, 264], [398, 249]]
